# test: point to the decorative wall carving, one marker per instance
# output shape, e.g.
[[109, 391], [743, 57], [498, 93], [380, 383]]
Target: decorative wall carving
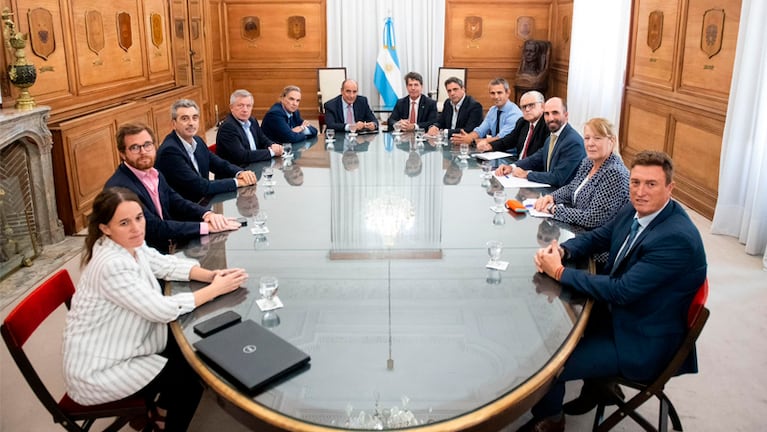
[[124, 31], [94, 31], [712, 31], [472, 27], [655, 29], [155, 21], [251, 28], [525, 27], [296, 27], [41, 32]]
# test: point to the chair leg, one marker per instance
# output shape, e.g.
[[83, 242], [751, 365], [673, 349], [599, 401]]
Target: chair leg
[[676, 423], [662, 415], [598, 416]]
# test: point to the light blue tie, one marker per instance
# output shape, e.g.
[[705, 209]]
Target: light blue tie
[[249, 134], [627, 245]]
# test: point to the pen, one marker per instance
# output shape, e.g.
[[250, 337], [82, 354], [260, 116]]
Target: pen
[[506, 176]]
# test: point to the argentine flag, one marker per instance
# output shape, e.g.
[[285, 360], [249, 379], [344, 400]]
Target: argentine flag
[[388, 78]]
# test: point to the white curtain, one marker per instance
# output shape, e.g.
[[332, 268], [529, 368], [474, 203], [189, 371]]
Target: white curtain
[[598, 57], [741, 209], [355, 35]]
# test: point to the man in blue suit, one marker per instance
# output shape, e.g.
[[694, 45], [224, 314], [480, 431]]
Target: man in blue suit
[[186, 162], [283, 122], [415, 109], [240, 139], [656, 265], [557, 161], [338, 115], [169, 217]]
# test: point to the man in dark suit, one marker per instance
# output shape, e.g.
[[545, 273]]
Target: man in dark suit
[[337, 110], [528, 134], [656, 265], [283, 122], [415, 109], [460, 112], [169, 217], [557, 161], [240, 139], [185, 161]]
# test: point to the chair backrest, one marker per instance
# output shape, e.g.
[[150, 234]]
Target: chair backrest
[[443, 74], [329, 82], [25, 318], [697, 305]]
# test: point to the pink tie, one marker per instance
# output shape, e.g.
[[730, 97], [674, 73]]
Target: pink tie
[[412, 112], [349, 114], [527, 142]]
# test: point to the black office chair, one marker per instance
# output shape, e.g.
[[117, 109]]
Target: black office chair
[[696, 319], [19, 325]]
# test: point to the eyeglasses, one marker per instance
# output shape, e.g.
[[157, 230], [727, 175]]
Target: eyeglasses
[[529, 106], [147, 147]]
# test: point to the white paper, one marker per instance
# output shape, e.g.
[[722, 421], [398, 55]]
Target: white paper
[[518, 182], [266, 305], [498, 265], [492, 155], [529, 203]]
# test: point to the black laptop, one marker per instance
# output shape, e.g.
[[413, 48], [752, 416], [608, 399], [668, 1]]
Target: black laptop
[[251, 356]]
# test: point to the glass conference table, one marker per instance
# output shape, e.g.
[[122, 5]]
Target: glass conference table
[[380, 249]]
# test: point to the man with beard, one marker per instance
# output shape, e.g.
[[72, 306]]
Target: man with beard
[[186, 162], [557, 161], [169, 217]]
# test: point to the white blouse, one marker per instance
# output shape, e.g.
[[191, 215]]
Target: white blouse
[[117, 324]]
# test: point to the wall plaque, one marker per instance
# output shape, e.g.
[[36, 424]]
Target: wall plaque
[[712, 32], [296, 27], [124, 31], [94, 31], [251, 28], [525, 27], [155, 21], [655, 29], [472, 27], [41, 32]]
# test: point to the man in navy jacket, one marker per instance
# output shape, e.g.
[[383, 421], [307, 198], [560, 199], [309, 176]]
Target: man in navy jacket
[[186, 162], [656, 265], [240, 139], [283, 122], [337, 110]]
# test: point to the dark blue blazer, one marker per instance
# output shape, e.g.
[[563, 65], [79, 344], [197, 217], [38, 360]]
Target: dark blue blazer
[[180, 217], [427, 111], [469, 116], [568, 154], [174, 163], [650, 290], [515, 141], [232, 143], [335, 112], [278, 127]]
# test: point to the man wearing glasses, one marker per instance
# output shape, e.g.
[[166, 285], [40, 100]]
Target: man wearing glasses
[[529, 132], [169, 217]]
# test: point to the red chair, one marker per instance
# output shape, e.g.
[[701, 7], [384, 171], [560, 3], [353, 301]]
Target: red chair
[[212, 148], [696, 319], [19, 325]]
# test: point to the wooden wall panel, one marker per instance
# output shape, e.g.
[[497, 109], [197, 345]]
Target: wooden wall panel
[[112, 64], [646, 129], [703, 72], [159, 48], [214, 34], [656, 54], [560, 39], [267, 84], [696, 150], [274, 45]]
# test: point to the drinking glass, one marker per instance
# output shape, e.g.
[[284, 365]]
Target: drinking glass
[[445, 136], [352, 130], [486, 170], [500, 199], [269, 192], [494, 248], [397, 128], [418, 134], [287, 150], [260, 220], [267, 286], [330, 134], [493, 277], [270, 319], [464, 151], [267, 173]]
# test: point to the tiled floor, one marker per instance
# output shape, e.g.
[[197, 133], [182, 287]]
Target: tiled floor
[[726, 395]]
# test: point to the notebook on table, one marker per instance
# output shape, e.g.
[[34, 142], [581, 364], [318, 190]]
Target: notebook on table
[[251, 356]]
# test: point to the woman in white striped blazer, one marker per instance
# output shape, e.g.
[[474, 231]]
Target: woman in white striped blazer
[[116, 337]]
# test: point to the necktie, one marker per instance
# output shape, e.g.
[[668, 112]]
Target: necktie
[[523, 153], [552, 143], [454, 120], [498, 122], [412, 118], [251, 140], [627, 245], [349, 114]]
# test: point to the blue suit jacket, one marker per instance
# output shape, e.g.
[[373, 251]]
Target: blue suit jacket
[[174, 163], [335, 112], [427, 111], [469, 116], [232, 143], [180, 217], [650, 290], [278, 127], [568, 154]]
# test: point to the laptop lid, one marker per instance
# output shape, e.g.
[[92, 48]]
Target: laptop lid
[[250, 355]]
